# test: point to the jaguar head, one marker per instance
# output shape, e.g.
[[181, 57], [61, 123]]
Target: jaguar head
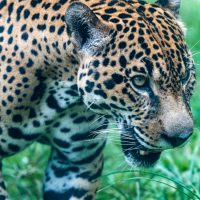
[[136, 69]]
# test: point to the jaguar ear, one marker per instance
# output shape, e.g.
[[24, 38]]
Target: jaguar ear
[[86, 31], [172, 5]]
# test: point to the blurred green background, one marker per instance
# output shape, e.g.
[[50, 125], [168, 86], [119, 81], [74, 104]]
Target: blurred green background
[[175, 177]]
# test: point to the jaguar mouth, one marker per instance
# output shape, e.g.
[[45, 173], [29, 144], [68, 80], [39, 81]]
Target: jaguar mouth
[[141, 158], [136, 154]]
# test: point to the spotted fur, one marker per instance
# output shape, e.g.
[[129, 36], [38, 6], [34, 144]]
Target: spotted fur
[[67, 67]]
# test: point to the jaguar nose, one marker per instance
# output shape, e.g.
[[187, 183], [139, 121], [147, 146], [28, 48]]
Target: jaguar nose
[[178, 140]]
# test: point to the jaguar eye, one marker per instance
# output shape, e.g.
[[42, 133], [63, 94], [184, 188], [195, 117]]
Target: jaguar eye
[[185, 77], [140, 81]]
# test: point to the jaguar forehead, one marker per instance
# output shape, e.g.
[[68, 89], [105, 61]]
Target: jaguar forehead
[[163, 28], [166, 31]]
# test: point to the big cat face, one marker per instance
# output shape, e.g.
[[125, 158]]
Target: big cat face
[[137, 69]]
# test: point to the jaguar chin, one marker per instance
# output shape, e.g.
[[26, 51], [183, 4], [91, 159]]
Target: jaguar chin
[[137, 155]]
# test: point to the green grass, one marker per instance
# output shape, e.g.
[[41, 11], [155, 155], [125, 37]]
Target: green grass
[[175, 177]]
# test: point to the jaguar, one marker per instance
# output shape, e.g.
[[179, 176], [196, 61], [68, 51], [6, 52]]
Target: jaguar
[[69, 67]]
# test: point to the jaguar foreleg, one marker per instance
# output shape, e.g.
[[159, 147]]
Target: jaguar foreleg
[[68, 179]]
